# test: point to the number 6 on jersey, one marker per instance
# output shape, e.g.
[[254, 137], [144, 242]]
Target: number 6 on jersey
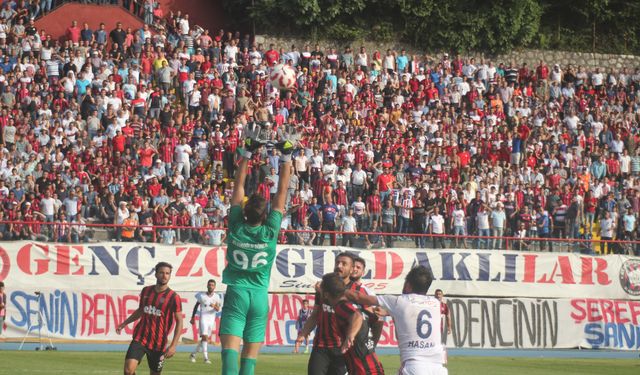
[[424, 319]]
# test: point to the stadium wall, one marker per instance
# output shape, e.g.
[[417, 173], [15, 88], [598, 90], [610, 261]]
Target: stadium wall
[[498, 299], [530, 56], [57, 22], [208, 14]]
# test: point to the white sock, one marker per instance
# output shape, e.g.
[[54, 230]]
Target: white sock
[[204, 349], [198, 348]]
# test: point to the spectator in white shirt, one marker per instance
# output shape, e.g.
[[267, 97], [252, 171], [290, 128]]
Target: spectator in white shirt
[[436, 226], [348, 227], [182, 153]]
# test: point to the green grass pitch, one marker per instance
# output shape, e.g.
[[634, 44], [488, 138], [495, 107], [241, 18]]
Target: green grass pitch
[[70, 363]]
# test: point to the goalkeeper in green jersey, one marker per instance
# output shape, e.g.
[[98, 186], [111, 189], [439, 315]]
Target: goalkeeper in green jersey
[[251, 248]]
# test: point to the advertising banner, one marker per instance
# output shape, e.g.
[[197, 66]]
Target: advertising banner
[[474, 273], [500, 323]]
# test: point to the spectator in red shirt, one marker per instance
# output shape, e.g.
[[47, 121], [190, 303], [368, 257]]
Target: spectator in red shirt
[[73, 32]]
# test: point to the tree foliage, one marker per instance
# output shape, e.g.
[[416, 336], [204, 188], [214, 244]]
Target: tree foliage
[[488, 25]]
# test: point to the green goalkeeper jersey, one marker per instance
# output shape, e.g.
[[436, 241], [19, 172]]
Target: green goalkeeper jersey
[[250, 250]]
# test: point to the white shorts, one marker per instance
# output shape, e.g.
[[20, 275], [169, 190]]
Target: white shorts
[[422, 368], [205, 326]]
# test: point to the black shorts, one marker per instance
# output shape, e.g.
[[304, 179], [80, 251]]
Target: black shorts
[[324, 361], [155, 359]]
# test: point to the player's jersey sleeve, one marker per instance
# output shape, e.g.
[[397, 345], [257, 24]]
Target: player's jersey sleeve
[[235, 216], [199, 298], [143, 296], [390, 303], [274, 220], [177, 304]]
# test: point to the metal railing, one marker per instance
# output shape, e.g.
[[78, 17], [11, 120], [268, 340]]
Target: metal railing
[[92, 232]]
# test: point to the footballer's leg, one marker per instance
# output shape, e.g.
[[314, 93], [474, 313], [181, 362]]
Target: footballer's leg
[[134, 354], [204, 342], [155, 359], [253, 335], [206, 328], [319, 362], [232, 326], [249, 358], [230, 349]]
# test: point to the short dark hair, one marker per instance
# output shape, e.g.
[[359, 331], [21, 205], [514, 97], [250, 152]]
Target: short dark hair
[[359, 259], [211, 281], [438, 290], [255, 209], [1, 284], [333, 285], [347, 254], [162, 265], [420, 279]]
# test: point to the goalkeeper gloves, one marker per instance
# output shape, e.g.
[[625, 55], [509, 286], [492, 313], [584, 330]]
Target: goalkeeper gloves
[[252, 142]]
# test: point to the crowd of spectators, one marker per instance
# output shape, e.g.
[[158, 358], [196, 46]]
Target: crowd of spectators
[[140, 128]]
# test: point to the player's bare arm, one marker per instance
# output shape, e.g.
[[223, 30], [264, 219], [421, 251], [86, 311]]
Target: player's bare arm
[[355, 324], [280, 198], [251, 145], [310, 324], [177, 332], [238, 187], [360, 298], [132, 318]]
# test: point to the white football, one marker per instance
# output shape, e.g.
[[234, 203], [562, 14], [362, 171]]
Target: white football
[[283, 77]]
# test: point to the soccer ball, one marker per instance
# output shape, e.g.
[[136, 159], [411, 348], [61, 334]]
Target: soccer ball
[[283, 77]]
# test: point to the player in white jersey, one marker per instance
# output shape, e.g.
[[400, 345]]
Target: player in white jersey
[[417, 321], [207, 305]]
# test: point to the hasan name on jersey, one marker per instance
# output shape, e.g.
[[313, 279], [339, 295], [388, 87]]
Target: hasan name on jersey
[[417, 321]]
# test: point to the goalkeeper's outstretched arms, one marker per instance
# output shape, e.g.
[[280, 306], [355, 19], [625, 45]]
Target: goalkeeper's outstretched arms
[[286, 146], [250, 145]]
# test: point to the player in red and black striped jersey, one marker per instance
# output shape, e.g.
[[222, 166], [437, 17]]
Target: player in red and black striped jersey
[[326, 357], [159, 308], [375, 323], [357, 346]]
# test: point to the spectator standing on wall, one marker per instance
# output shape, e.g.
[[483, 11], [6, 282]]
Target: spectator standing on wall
[[498, 225], [436, 226], [459, 224], [388, 220], [328, 215], [348, 226]]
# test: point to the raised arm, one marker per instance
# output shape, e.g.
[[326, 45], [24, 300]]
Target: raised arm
[[286, 148], [361, 299], [238, 187], [280, 198], [251, 144]]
